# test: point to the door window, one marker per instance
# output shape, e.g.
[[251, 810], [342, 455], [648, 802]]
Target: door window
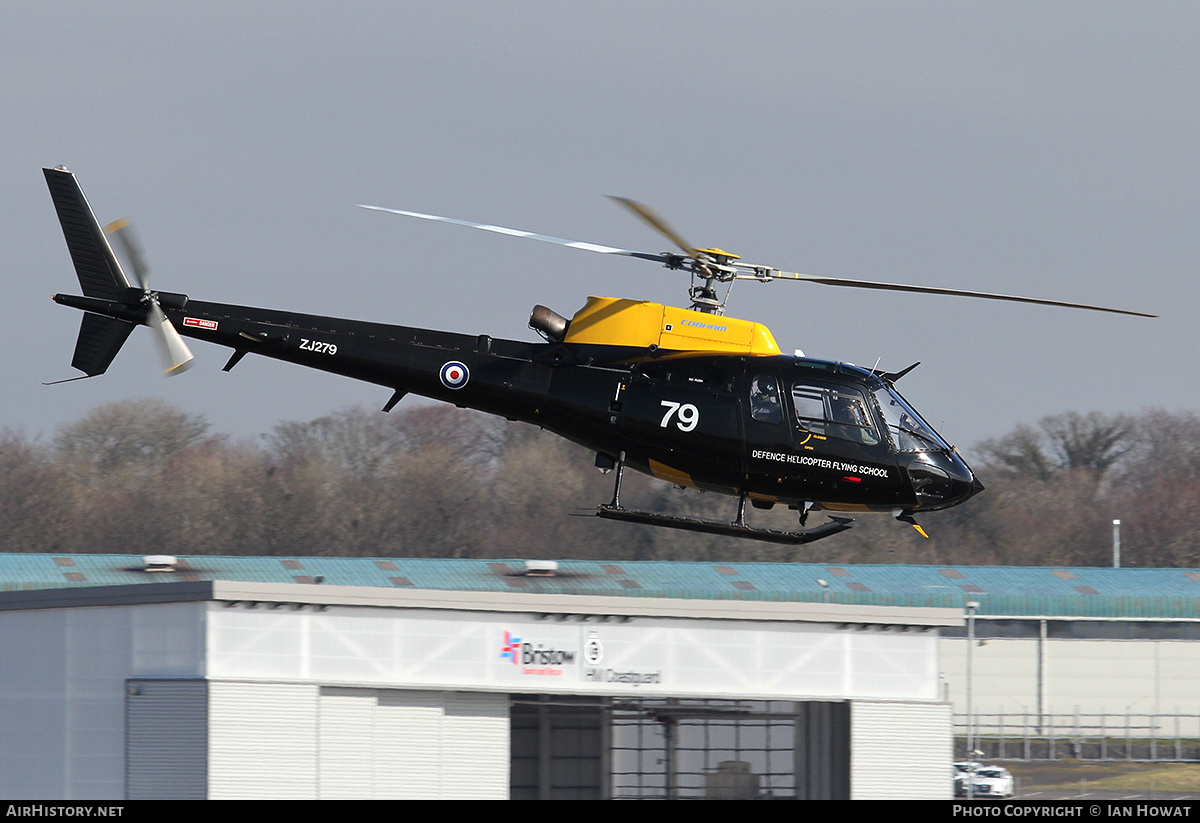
[[834, 411], [764, 399]]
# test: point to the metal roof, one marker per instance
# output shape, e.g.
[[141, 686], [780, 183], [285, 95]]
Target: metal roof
[[1000, 590], [545, 606]]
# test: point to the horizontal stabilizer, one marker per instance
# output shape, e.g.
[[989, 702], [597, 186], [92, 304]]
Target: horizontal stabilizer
[[100, 338], [100, 274]]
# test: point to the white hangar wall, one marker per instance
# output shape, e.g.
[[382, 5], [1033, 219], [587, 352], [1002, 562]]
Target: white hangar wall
[[649, 655], [901, 751], [309, 741], [1024, 678], [276, 690]]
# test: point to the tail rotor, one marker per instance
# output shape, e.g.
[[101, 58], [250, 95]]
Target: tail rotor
[[173, 352]]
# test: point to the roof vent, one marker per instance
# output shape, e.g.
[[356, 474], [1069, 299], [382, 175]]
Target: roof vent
[[159, 563], [541, 568]]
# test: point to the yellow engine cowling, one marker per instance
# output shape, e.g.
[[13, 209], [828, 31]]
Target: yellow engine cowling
[[613, 321]]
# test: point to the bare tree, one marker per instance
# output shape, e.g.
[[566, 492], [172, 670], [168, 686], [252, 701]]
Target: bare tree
[[143, 476], [138, 433], [1091, 443]]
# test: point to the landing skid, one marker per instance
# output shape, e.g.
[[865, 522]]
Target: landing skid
[[738, 528], [694, 524]]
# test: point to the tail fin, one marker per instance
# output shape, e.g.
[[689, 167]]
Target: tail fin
[[100, 275]]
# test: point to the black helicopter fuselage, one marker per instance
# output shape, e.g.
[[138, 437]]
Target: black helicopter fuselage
[[779, 429], [697, 399]]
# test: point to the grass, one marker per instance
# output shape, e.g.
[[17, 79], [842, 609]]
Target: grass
[[1111, 775]]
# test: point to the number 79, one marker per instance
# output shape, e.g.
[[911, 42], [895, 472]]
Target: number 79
[[686, 419]]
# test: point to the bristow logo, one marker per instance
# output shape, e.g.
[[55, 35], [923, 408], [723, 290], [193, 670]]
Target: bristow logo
[[511, 650], [454, 375], [527, 654]]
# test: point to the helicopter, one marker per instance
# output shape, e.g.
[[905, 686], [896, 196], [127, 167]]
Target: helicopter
[[686, 395]]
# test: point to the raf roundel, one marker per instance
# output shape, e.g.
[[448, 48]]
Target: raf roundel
[[454, 375]]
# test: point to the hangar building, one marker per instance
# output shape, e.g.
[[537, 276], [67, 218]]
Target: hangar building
[[324, 677], [1077, 653]]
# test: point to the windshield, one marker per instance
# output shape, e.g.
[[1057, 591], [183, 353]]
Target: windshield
[[909, 432]]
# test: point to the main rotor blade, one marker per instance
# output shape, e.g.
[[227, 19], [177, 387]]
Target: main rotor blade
[[174, 353], [758, 272], [657, 223], [545, 238], [122, 231], [870, 284]]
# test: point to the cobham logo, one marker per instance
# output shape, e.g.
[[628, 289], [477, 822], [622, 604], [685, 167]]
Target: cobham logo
[[200, 323]]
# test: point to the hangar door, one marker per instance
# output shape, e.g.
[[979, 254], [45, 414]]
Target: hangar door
[[166, 739], [597, 748]]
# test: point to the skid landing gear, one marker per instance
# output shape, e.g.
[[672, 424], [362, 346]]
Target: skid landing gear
[[738, 528]]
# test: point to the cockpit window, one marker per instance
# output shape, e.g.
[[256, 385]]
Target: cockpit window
[[764, 399], [834, 411], [909, 432]]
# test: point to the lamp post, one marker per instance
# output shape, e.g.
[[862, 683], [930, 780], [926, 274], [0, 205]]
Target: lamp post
[[972, 606], [1116, 544]]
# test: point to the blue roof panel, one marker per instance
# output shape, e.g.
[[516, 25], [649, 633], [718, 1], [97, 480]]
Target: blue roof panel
[[1000, 590]]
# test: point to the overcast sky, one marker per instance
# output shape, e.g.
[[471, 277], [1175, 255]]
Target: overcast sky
[[1042, 148]]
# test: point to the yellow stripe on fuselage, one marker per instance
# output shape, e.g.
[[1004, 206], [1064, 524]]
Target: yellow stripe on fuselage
[[663, 472]]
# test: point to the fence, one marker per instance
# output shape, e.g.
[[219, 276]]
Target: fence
[[1077, 736]]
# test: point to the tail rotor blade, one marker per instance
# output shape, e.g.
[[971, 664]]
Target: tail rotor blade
[[122, 232], [174, 353]]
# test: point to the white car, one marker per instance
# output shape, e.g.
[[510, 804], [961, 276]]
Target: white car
[[991, 781]]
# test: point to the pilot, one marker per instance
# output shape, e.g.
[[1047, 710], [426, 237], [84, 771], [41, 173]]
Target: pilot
[[764, 400], [849, 412]]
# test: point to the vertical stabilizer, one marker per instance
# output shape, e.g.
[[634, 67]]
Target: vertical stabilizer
[[100, 274]]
